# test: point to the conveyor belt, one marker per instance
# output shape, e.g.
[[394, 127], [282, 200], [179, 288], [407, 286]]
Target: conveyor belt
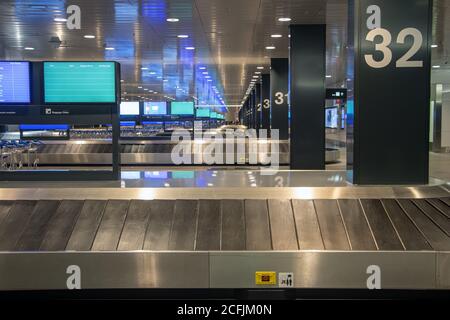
[[98, 152], [215, 225]]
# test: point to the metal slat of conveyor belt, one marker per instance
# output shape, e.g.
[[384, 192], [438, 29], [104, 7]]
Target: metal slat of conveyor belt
[[86, 227], [446, 201], [5, 206], [307, 225], [385, 235], [441, 206], [434, 235], [257, 225], [12, 227], [359, 233], [158, 230], [412, 238], [282, 225], [437, 217], [184, 226], [208, 227], [37, 226], [61, 226], [111, 226], [233, 225], [133, 234], [332, 228]]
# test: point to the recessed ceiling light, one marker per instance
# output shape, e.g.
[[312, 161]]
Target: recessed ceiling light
[[121, 80], [206, 72], [209, 80], [270, 48], [165, 80], [207, 77], [286, 19], [202, 68], [436, 67], [276, 36], [434, 46], [139, 87], [144, 68], [60, 20], [257, 72], [109, 48], [29, 48], [172, 19], [153, 72], [328, 76], [89, 36], [190, 48], [260, 68], [183, 36]]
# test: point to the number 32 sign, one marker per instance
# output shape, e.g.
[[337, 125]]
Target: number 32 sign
[[378, 33]]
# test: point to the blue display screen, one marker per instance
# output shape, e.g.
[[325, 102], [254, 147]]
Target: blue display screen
[[155, 174], [34, 127], [127, 123], [14, 82], [155, 108]]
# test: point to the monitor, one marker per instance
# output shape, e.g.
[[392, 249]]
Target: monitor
[[155, 108], [79, 82], [155, 174], [15, 82], [129, 108], [203, 112], [331, 118], [183, 174], [182, 108]]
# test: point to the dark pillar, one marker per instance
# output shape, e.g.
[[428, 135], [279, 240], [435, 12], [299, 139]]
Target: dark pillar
[[307, 97], [389, 111], [252, 109], [257, 106], [279, 96], [265, 97]]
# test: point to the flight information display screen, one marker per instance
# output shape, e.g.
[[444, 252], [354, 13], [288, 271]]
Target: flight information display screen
[[182, 108], [203, 113], [129, 108], [14, 82], [79, 82], [155, 108]]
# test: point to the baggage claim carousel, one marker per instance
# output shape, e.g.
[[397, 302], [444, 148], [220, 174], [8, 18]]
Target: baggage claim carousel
[[326, 237], [140, 152]]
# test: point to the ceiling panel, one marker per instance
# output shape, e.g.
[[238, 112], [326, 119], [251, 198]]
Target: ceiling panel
[[230, 39]]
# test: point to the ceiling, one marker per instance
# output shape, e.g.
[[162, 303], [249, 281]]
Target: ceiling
[[229, 36]]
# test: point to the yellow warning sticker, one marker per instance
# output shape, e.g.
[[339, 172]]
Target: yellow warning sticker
[[265, 278]]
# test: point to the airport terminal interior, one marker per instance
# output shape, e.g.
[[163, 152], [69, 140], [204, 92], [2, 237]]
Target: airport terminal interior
[[212, 144]]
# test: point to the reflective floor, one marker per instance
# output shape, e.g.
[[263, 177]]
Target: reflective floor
[[205, 177]]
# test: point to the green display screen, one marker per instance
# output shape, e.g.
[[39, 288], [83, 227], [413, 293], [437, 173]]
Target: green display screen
[[213, 115], [182, 108], [203, 113], [79, 82], [183, 175]]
